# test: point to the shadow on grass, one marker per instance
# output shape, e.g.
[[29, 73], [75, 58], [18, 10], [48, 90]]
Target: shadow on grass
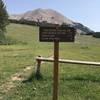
[[86, 77], [32, 77], [82, 78]]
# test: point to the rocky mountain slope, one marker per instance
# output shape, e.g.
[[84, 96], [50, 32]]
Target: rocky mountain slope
[[51, 16]]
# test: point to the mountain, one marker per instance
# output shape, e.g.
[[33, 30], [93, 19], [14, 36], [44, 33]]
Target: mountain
[[50, 16]]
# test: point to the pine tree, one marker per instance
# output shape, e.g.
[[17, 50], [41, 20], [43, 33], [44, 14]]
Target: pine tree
[[3, 20]]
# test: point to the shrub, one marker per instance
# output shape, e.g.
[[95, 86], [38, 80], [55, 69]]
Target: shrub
[[96, 34]]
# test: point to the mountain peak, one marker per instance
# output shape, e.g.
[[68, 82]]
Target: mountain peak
[[49, 16]]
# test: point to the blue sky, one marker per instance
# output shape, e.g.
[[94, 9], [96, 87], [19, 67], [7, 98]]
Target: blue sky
[[86, 12]]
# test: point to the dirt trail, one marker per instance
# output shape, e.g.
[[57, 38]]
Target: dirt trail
[[11, 82]]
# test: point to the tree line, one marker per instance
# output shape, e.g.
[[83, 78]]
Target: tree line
[[3, 20]]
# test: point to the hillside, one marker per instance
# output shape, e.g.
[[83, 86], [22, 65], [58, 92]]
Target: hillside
[[50, 16], [29, 34]]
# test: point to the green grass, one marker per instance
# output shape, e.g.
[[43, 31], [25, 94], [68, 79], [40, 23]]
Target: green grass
[[76, 82]]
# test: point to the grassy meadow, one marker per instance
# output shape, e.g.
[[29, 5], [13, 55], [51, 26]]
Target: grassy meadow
[[76, 82]]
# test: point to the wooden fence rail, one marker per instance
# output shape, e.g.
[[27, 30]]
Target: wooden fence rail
[[40, 59]]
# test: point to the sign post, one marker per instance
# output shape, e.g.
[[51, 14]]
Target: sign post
[[56, 34], [56, 70]]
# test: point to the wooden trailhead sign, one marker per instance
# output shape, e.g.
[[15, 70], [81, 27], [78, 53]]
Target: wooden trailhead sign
[[61, 33], [56, 34]]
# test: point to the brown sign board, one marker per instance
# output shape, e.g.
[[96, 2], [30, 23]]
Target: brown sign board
[[60, 33]]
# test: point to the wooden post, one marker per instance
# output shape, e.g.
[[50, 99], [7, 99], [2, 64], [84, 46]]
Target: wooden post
[[38, 66], [38, 73], [55, 73]]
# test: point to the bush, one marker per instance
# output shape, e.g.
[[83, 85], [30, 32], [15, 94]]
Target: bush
[[2, 36], [96, 34]]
